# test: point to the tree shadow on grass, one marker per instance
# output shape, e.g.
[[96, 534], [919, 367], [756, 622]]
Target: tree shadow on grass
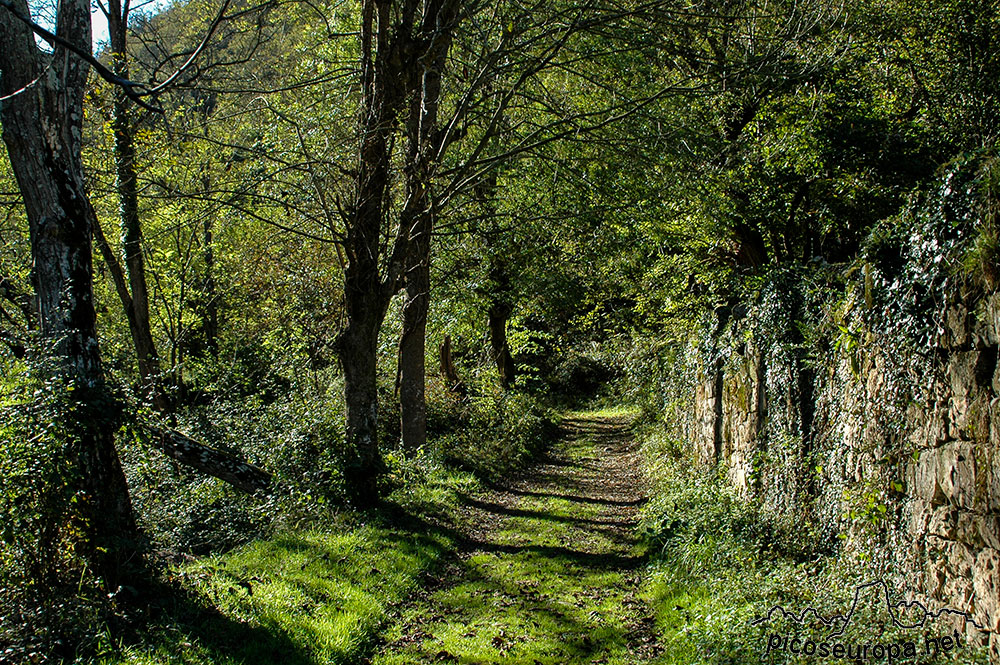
[[505, 608], [181, 627], [401, 518], [308, 598], [498, 509], [607, 561], [641, 501]]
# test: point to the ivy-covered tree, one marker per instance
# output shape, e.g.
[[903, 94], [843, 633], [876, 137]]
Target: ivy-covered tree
[[42, 117]]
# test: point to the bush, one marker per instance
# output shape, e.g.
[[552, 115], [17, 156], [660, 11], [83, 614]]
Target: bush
[[298, 438], [51, 605], [500, 432]]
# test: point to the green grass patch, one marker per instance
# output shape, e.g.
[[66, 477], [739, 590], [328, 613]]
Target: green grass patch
[[614, 412], [321, 596], [549, 584]]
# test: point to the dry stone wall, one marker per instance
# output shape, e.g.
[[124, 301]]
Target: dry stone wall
[[920, 471]]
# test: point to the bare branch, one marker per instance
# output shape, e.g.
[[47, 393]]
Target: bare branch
[[130, 88]]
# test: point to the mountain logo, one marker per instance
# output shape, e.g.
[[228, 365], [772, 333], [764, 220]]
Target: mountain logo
[[897, 611]]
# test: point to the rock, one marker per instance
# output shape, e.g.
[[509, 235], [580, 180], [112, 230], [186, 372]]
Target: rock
[[956, 327], [956, 472]]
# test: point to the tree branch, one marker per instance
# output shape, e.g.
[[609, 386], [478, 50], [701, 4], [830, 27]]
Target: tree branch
[[127, 86]]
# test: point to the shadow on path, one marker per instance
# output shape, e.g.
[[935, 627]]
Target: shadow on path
[[550, 565]]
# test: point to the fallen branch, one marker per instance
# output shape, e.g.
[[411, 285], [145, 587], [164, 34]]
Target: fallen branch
[[242, 475]]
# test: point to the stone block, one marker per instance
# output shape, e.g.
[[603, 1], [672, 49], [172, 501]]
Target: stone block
[[958, 563], [989, 454], [957, 333], [987, 328], [935, 426], [926, 482], [955, 466], [977, 530], [962, 371], [943, 522], [919, 518], [986, 583]]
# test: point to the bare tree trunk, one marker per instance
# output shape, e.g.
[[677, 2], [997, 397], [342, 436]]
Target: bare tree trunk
[[498, 293], [412, 342], [240, 474], [448, 370], [424, 151], [42, 131], [358, 359], [211, 314], [365, 293], [498, 314]]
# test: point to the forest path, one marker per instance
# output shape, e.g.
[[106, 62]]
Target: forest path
[[550, 567]]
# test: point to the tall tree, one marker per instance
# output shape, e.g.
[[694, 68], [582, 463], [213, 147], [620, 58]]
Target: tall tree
[[130, 284], [396, 41], [425, 144], [42, 114]]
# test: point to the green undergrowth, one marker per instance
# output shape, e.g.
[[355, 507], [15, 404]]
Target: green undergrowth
[[494, 432], [316, 596], [719, 563]]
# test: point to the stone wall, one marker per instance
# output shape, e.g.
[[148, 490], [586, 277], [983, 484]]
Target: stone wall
[[820, 442]]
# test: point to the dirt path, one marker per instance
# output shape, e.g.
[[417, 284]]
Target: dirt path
[[551, 566]]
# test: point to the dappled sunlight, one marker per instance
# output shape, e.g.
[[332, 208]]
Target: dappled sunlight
[[551, 569]]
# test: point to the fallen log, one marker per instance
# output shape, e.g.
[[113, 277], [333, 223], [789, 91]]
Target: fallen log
[[229, 468]]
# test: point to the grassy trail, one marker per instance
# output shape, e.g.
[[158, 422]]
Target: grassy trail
[[550, 565]]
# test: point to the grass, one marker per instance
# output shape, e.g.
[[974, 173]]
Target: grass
[[619, 411], [551, 580], [310, 597]]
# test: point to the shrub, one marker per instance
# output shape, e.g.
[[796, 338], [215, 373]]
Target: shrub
[[298, 438], [50, 603], [500, 432]]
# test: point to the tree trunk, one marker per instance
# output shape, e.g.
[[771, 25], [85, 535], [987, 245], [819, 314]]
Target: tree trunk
[[498, 315], [242, 475], [42, 131], [363, 287], [211, 313], [500, 298], [358, 355], [412, 342], [136, 299], [418, 216], [392, 64], [448, 371]]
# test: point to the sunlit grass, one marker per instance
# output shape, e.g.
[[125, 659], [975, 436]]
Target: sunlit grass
[[613, 412], [314, 597], [549, 587], [538, 592]]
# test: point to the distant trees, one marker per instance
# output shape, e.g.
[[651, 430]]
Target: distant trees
[[130, 283]]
